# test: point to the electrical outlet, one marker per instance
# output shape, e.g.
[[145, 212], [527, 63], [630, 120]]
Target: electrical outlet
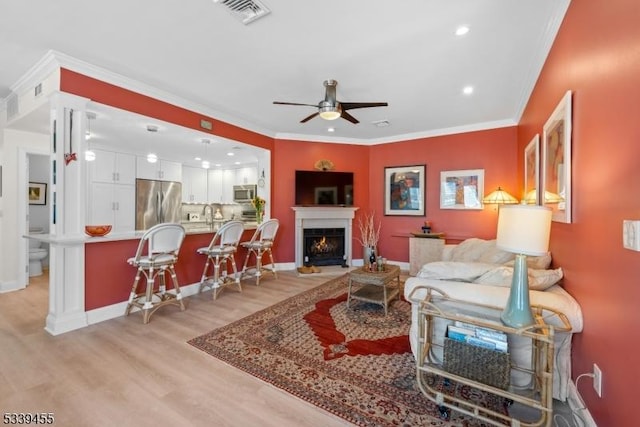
[[597, 380]]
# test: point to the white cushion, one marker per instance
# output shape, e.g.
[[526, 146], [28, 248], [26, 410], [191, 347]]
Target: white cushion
[[479, 250], [451, 270], [541, 262], [539, 280]]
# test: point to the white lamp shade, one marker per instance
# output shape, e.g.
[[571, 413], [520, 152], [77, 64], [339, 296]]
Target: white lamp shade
[[524, 229]]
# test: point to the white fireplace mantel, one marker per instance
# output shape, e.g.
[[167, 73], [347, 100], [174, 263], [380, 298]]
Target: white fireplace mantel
[[324, 217]]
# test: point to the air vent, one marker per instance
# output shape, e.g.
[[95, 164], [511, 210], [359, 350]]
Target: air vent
[[12, 106], [245, 11]]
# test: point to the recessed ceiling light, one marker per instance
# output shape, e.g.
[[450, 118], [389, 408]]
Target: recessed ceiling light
[[230, 153], [152, 128], [197, 159], [467, 90], [205, 164], [331, 129], [462, 30]]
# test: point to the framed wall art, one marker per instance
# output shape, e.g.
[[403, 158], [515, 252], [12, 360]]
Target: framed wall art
[[532, 171], [404, 190], [37, 193], [556, 161], [462, 189]]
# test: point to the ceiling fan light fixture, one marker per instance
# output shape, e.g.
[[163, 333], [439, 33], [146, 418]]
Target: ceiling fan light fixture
[[329, 112]]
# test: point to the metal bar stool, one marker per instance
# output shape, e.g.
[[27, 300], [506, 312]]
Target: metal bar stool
[[221, 250], [162, 243], [260, 243]]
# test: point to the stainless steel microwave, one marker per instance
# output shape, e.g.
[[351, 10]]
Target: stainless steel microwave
[[244, 193]]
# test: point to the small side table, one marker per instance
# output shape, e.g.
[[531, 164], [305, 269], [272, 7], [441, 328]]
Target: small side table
[[376, 285]]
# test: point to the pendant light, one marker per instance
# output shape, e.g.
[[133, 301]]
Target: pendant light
[[205, 162], [152, 157]]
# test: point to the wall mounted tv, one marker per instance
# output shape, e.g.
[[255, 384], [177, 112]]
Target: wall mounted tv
[[329, 188]]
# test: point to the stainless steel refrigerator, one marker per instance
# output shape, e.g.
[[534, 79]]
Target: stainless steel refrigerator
[[157, 202]]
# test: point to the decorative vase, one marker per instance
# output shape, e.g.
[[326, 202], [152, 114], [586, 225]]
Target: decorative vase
[[366, 253], [259, 216]]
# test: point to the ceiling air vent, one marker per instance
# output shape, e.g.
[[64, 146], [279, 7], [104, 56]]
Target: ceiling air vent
[[245, 11]]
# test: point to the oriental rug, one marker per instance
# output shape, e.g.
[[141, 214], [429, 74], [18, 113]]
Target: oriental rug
[[355, 363]]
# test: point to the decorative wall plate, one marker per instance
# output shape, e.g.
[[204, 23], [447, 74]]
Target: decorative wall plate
[[324, 165]]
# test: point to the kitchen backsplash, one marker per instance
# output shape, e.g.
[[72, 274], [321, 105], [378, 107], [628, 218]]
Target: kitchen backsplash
[[198, 210]]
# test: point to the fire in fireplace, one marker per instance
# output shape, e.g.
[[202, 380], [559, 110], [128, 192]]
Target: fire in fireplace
[[324, 246]]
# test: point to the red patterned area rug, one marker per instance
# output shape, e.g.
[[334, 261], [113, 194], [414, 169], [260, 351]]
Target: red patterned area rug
[[355, 363]]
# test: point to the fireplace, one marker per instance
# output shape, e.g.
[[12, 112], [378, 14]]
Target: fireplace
[[325, 218], [324, 246]]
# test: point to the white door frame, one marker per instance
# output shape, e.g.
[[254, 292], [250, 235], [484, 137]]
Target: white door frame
[[23, 211]]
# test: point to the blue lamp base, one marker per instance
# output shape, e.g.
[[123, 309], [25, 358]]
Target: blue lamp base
[[517, 312]]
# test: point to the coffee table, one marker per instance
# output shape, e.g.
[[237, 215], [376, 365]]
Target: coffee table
[[376, 286]]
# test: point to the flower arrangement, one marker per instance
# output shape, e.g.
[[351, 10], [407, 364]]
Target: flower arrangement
[[369, 231], [258, 203]]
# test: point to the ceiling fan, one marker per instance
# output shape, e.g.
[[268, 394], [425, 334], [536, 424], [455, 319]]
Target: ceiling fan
[[330, 108]]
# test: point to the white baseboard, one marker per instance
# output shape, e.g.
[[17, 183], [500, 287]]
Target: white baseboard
[[578, 408]]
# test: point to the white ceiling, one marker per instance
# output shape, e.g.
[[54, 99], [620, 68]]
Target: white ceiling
[[405, 53]]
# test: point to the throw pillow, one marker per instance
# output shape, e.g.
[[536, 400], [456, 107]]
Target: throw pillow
[[541, 262], [493, 255], [451, 270], [539, 280]]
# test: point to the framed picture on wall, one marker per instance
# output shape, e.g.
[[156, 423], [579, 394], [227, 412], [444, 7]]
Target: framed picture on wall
[[404, 190], [462, 189], [532, 171], [556, 161], [37, 193]]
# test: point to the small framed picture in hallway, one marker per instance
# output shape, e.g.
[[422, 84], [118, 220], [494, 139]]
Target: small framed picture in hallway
[[37, 193]]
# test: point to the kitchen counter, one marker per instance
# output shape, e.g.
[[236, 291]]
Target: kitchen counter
[[70, 240]]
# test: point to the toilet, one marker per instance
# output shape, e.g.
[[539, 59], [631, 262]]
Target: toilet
[[36, 254]]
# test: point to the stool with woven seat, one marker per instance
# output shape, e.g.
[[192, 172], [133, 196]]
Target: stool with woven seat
[[260, 243], [220, 252], [162, 243]]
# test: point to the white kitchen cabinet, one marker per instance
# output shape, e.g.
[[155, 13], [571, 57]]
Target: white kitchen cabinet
[[214, 186], [228, 181], [194, 185], [163, 170], [113, 204], [119, 168], [246, 175]]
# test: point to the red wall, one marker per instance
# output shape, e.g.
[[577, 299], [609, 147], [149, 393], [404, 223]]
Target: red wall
[[597, 55], [494, 150], [289, 156]]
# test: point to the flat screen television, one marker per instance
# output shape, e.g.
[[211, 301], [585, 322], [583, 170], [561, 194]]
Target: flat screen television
[[328, 188]]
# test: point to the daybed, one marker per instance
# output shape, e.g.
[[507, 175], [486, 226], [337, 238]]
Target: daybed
[[477, 271]]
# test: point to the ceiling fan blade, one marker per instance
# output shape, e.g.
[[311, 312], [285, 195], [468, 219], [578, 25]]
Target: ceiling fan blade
[[349, 117], [294, 103], [352, 105], [306, 119]]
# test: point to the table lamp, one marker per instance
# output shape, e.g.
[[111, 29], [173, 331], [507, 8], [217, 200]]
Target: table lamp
[[523, 230]]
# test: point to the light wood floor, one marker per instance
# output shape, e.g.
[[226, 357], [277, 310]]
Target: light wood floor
[[121, 372]]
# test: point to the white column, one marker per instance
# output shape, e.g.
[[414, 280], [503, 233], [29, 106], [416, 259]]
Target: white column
[[67, 214]]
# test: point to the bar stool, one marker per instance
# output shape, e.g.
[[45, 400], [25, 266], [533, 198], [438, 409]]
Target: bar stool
[[222, 249], [162, 243], [260, 243]]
